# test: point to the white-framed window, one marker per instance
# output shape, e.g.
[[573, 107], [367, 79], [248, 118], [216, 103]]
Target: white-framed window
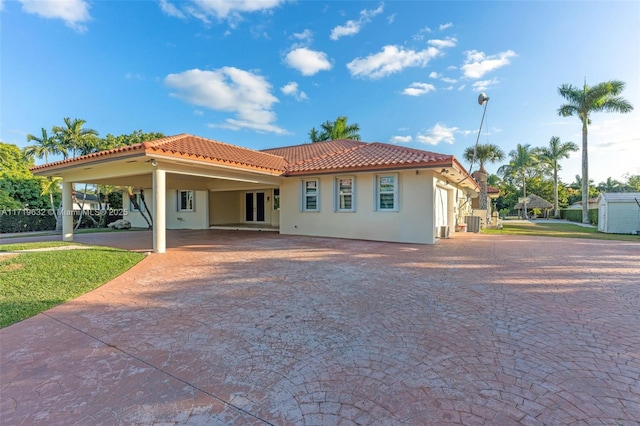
[[138, 201], [386, 192], [345, 194], [310, 200], [186, 201]]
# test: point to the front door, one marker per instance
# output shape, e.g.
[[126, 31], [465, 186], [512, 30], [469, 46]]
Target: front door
[[254, 207]]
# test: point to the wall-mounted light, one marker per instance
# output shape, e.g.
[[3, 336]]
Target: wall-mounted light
[[154, 163]]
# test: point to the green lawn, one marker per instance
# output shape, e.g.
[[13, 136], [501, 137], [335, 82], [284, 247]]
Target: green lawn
[[31, 282], [564, 230]]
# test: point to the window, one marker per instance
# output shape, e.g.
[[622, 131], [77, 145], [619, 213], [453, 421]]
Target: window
[[344, 191], [310, 192], [387, 192], [276, 199], [186, 202]]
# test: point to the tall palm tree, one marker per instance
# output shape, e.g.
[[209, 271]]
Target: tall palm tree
[[338, 129], [74, 138], [603, 97], [521, 161], [483, 153], [551, 155], [45, 146]]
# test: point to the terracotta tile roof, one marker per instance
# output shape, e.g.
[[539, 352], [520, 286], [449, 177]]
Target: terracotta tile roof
[[310, 158], [343, 155], [492, 190], [188, 146], [307, 151]]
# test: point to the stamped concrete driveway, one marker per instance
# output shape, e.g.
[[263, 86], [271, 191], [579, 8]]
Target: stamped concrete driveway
[[259, 328]]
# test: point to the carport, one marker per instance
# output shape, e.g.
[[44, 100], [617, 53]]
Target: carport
[[162, 165]]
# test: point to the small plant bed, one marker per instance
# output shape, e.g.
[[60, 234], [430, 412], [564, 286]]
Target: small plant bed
[[563, 230], [34, 281]]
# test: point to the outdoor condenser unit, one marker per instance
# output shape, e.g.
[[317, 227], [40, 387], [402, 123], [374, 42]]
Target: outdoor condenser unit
[[473, 223]]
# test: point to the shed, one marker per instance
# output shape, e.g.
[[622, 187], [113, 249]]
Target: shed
[[619, 212]]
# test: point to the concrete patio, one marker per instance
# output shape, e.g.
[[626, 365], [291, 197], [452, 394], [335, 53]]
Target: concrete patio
[[258, 328]]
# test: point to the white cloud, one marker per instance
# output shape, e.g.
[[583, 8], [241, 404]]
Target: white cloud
[[73, 12], [477, 64], [445, 26], [441, 44], [231, 10], [390, 60], [170, 9], [449, 80], [229, 89], [421, 33], [306, 35], [391, 18], [132, 76], [434, 74], [307, 61], [401, 139], [292, 89], [353, 27], [482, 85], [418, 89], [437, 134]]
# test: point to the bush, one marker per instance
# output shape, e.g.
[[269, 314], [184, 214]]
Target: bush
[[20, 221]]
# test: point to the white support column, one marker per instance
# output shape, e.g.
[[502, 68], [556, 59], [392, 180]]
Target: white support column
[[67, 212], [159, 211]]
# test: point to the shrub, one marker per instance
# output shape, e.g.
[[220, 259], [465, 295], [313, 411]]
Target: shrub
[[575, 215]]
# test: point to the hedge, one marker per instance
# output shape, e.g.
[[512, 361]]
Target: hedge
[[575, 215], [36, 220]]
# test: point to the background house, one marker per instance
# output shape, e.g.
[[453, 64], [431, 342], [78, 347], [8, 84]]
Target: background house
[[619, 212]]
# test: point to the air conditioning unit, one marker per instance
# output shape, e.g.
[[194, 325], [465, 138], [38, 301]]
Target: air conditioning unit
[[473, 223]]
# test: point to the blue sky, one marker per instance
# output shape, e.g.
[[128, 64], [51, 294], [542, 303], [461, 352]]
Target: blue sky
[[261, 74]]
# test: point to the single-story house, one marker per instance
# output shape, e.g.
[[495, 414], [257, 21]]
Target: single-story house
[[619, 212], [593, 204], [88, 202], [342, 188]]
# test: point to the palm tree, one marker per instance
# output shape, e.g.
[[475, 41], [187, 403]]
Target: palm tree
[[483, 153], [522, 160], [611, 185], [74, 138], [603, 97], [338, 129], [45, 146], [551, 155], [314, 136]]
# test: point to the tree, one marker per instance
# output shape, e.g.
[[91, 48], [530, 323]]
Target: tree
[[74, 138], [611, 185], [522, 160], [603, 97], [483, 153], [46, 145], [338, 129], [633, 182], [551, 155]]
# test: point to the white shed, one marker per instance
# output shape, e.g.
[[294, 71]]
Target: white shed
[[619, 212]]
